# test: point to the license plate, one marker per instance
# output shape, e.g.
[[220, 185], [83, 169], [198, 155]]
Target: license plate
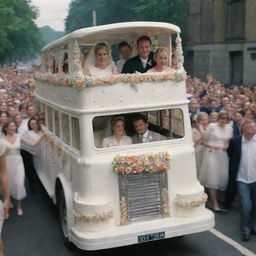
[[151, 237]]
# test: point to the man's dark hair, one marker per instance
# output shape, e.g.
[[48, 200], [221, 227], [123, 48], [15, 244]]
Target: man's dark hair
[[140, 117], [143, 38], [122, 44]]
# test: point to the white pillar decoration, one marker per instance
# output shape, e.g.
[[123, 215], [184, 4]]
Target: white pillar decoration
[[77, 75], [179, 53], [50, 63], [60, 59]]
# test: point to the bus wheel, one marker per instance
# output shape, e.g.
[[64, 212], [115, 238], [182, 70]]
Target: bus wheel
[[62, 210]]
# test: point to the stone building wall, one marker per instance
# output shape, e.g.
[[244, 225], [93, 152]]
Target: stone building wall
[[219, 10], [250, 20], [222, 40]]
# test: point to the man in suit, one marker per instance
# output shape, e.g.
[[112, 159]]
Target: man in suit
[[143, 61], [242, 175], [144, 135]]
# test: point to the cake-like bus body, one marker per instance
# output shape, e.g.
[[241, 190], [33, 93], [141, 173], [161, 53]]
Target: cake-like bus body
[[127, 194]]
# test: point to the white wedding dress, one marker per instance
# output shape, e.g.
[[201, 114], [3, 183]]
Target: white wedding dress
[[15, 169], [214, 168], [112, 142], [100, 73], [91, 70]]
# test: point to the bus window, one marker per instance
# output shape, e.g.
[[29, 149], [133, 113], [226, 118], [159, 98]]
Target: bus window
[[65, 63], [41, 107], [49, 118], [75, 133], [153, 117], [65, 128], [165, 117], [57, 123], [176, 123], [162, 125]]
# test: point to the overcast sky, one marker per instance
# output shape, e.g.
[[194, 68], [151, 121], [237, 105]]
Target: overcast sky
[[52, 13]]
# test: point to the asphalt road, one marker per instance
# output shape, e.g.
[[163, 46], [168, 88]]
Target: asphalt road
[[37, 233]]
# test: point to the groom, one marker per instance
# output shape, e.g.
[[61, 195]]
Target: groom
[[144, 135], [144, 60]]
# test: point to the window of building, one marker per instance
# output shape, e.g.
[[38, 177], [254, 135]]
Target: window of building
[[236, 19]]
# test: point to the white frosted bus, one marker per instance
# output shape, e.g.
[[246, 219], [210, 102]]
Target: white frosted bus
[[119, 195]]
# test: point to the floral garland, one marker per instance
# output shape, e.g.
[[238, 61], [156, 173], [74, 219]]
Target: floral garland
[[57, 147], [192, 204], [94, 218], [165, 202], [124, 212], [61, 79], [147, 163]]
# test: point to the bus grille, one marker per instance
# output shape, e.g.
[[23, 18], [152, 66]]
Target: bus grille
[[142, 193]]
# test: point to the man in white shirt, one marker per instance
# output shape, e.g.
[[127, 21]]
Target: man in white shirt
[[32, 112], [242, 175]]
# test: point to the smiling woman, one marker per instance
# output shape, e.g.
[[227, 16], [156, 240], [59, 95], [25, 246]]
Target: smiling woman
[[118, 137], [99, 62]]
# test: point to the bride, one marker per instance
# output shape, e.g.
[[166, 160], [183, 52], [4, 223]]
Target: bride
[[99, 62], [161, 57]]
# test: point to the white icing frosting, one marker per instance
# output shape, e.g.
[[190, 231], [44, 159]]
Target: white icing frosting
[[191, 202], [92, 216], [190, 194]]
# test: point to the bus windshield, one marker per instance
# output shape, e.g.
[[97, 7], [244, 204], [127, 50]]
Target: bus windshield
[[139, 127]]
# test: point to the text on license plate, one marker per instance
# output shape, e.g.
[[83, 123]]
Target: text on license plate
[[151, 237]]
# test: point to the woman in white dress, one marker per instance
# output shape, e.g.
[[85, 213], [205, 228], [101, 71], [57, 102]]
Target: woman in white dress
[[161, 57], [99, 62], [4, 182], [214, 170], [118, 138], [198, 134], [15, 167]]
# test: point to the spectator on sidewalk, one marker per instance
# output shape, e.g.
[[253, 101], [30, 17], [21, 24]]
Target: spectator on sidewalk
[[242, 176]]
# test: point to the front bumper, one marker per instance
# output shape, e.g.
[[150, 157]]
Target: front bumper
[[126, 235]]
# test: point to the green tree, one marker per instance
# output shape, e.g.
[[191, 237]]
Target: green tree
[[49, 34], [20, 39], [80, 14], [162, 10], [112, 11]]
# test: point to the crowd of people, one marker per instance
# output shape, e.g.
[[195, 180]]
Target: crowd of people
[[221, 116], [20, 134]]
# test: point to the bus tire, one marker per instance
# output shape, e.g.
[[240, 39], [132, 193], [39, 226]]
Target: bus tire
[[62, 212]]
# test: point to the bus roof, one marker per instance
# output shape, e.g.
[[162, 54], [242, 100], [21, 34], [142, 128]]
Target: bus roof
[[115, 33]]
